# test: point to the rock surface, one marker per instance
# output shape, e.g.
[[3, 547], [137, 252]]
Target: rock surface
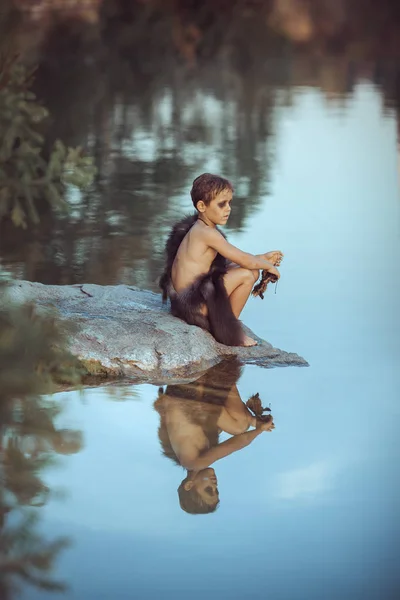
[[122, 331]]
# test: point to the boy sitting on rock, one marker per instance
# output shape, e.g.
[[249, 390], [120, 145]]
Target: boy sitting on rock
[[207, 279]]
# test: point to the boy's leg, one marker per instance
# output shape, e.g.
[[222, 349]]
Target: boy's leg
[[238, 283], [235, 418]]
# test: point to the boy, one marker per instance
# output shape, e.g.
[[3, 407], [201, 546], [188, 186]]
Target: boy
[[207, 279], [192, 417]]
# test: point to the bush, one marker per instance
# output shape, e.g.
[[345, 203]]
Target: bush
[[26, 176]]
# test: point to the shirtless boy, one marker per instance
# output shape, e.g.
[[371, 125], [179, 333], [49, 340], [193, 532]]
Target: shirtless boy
[[204, 270], [192, 417]]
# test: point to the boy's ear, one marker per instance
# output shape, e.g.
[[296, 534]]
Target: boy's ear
[[201, 207], [188, 485]]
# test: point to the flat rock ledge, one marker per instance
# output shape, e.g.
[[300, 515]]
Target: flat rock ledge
[[125, 332]]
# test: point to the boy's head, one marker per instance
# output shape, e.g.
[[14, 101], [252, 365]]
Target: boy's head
[[199, 494], [212, 194]]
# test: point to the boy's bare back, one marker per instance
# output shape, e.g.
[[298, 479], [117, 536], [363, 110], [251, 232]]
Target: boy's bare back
[[193, 258]]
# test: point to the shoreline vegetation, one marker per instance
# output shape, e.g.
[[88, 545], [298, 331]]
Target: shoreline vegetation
[[30, 178]]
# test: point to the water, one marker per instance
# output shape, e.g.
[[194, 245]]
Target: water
[[310, 509]]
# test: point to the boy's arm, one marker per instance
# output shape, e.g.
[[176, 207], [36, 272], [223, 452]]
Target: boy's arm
[[237, 442], [275, 257], [215, 240]]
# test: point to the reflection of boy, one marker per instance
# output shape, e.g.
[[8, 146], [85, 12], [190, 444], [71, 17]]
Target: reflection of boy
[[192, 416], [207, 279]]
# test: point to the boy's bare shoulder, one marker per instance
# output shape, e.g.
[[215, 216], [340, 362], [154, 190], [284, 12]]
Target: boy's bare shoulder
[[207, 233]]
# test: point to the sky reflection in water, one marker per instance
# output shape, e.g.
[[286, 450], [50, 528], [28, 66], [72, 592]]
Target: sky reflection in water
[[310, 510]]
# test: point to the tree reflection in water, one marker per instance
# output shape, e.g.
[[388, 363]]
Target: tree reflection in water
[[29, 441], [192, 416], [160, 92], [141, 112], [31, 359]]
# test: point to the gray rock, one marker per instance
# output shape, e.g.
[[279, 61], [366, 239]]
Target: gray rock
[[123, 331]]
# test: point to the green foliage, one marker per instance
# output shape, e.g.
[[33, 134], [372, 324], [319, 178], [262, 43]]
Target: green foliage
[[26, 176]]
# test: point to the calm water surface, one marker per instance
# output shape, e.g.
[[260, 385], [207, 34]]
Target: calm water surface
[[310, 510]]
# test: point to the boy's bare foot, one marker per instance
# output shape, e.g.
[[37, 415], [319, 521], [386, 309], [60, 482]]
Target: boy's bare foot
[[248, 341]]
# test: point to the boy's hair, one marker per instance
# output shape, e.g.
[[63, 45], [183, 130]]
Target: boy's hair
[[192, 503], [207, 186]]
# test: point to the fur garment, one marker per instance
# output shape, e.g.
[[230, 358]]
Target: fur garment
[[208, 289]]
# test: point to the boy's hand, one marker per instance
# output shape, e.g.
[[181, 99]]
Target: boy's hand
[[267, 425], [275, 257], [274, 271]]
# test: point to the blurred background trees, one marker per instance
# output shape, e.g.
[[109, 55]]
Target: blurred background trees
[[158, 91], [27, 177]]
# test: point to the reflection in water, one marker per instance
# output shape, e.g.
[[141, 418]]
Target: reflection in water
[[153, 121], [152, 124], [29, 440], [193, 416], [149, 138]]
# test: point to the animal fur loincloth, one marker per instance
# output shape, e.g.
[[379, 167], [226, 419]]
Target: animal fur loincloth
[[208, 289]]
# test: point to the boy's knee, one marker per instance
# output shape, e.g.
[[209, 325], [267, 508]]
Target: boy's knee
[[242, 423], [256, 274], [250, 276]]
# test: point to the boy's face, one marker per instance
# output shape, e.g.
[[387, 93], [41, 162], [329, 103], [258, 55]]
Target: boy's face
[[206, 485], [219, 209]]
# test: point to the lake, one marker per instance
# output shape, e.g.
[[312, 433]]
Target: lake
[[310, 509]]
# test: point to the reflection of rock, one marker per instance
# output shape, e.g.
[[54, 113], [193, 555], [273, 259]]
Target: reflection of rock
[[124, 331]]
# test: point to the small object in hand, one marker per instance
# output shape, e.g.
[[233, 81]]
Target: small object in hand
[[254, 404], [264, 418], [260, 288]]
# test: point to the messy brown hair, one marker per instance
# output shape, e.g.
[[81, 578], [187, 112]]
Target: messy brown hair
[[191, 502], [207, 186]]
